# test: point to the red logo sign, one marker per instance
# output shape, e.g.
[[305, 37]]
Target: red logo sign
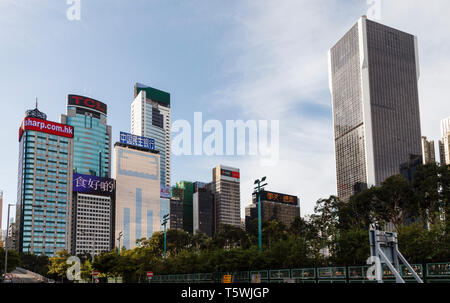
[[45, 126], [86, 102], [95, 273], [149, 274]]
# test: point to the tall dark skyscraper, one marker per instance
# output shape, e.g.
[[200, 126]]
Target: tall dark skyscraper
[[373, 75]]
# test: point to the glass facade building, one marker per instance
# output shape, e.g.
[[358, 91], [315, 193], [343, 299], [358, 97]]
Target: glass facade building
[[44, 186], [91, 156], [92, 137], [203, 209], [373, 81]]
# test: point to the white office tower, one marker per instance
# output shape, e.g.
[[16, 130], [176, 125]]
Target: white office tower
[[444, 143], [150, 117]]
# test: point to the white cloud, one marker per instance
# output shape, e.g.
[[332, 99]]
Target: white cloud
[[282, 63]]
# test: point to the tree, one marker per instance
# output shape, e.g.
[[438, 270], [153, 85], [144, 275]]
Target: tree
[[58, 266], [351, 247], [231, 237], [273, 231], [13, 259]]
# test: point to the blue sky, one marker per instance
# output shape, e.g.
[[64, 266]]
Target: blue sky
[[228, 59]]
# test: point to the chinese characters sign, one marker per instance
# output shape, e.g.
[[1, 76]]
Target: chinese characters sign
[[93, 185], [277, 197], [138, 141]]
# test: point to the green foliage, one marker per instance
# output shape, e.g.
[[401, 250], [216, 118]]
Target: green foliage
[[419, 212], [13, 260]]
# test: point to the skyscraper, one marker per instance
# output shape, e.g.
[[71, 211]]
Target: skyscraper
[[185, 191], [373, 75], [203, 209], [227, 192], [428, 152], [92, 209], [150, 117], [138, 209], [43, 208], [92, 135], [444, 143]]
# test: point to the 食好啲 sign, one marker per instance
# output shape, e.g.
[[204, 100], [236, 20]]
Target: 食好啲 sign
[[93, 185], [136, 140]]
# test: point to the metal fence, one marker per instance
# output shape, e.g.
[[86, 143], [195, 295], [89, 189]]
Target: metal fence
[[429, 273]]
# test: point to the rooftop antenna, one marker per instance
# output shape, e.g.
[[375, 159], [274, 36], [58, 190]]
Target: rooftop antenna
[[36, 102]]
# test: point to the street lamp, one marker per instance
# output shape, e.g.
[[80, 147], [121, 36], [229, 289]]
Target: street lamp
[[165, 219], [6, 241], [259, 188], [118, 239]]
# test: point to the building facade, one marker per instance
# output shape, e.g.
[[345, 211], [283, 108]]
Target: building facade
[[92, 214], [227, 194], [176, 209], [185, 193], [444, 143], [428, 152], [138, 203], [274, 207], [150, 117], [43, 209], [203, 209], [92, 135], [373, 76]]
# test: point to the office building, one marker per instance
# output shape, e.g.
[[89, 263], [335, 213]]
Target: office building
[[176, 209], [274, 207], [373, 76], [92, 135], [444, 143], [185, 193], [203, 209], [150, 117], [92, 214], [44, 185], [137, 175], [408, 169], [226, 189], [10, 239], [428, 152]]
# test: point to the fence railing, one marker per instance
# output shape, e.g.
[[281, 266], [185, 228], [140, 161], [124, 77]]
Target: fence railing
[[430, 273]]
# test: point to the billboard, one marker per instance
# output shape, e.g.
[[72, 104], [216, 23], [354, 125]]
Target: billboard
[[165, 191], [87, 103], [93, 185], [45, 126], [229, 173], [136, 140], [279, 198]]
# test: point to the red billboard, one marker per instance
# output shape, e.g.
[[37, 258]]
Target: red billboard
[[230, 173], [88, 103], [45, 126]]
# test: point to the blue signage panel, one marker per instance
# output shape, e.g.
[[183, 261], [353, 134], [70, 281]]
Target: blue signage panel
[[93, 185], [136, 140]]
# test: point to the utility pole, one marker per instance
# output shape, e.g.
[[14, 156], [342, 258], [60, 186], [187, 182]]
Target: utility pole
[[165, 219], [118, 239], [258, 192]]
